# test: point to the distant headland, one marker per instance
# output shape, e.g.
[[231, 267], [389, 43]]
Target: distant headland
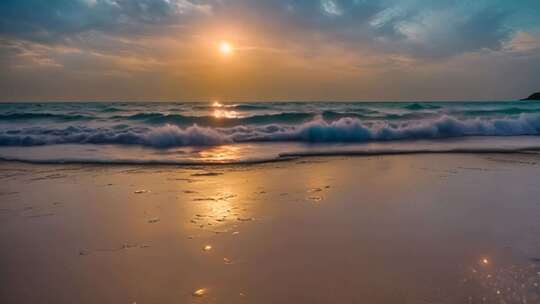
[[535, 96]]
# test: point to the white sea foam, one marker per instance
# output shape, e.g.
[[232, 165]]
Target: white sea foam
[[316, 131], [176, 133]]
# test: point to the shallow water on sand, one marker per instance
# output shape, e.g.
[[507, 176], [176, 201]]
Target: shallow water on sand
[[384, 229], [247, 153]]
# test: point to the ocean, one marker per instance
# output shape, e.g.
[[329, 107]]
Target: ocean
[[210, 133]]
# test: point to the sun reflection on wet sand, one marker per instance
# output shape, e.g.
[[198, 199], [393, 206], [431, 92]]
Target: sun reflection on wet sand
[[511, 283], [200, 292], [221, 211], [221, 154]]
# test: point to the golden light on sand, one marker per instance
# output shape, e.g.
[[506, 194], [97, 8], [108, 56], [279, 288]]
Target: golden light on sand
[[221, 154], [225, 48], [217, 104], [199, 292], [207, 248]]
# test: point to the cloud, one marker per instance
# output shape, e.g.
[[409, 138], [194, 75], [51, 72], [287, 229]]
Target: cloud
[[523, 42], [331, 8], [345, 48], [44, 20], [440, 33], [420, 28]]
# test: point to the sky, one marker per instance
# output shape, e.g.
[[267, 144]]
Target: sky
[[312, 50]]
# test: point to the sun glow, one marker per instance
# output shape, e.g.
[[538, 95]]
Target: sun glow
[[225, 48]]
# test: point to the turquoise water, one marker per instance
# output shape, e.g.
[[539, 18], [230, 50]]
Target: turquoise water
[[198, 132]]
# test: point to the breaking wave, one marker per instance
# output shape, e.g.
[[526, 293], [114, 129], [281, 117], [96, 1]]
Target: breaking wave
[[316, 130]]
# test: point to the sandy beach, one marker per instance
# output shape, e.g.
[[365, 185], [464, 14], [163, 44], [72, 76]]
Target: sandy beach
[[269, 152], [390, 229]]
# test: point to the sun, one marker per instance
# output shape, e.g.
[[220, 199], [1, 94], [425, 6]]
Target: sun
[[225, 48]]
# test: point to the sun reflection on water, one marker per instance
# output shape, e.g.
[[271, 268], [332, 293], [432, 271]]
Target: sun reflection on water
[[219, 113]]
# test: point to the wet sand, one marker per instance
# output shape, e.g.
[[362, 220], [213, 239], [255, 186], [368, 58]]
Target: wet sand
[[391, 229]]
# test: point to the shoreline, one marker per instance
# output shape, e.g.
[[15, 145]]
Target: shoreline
[[282, 157], [267, 152]]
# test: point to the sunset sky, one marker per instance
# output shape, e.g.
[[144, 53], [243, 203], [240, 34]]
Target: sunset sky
[[250, 50]]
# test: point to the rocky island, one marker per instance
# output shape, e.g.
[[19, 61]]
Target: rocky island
[[535, 96]]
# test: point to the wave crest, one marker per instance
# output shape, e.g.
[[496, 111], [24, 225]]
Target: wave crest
[[315, 131]]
